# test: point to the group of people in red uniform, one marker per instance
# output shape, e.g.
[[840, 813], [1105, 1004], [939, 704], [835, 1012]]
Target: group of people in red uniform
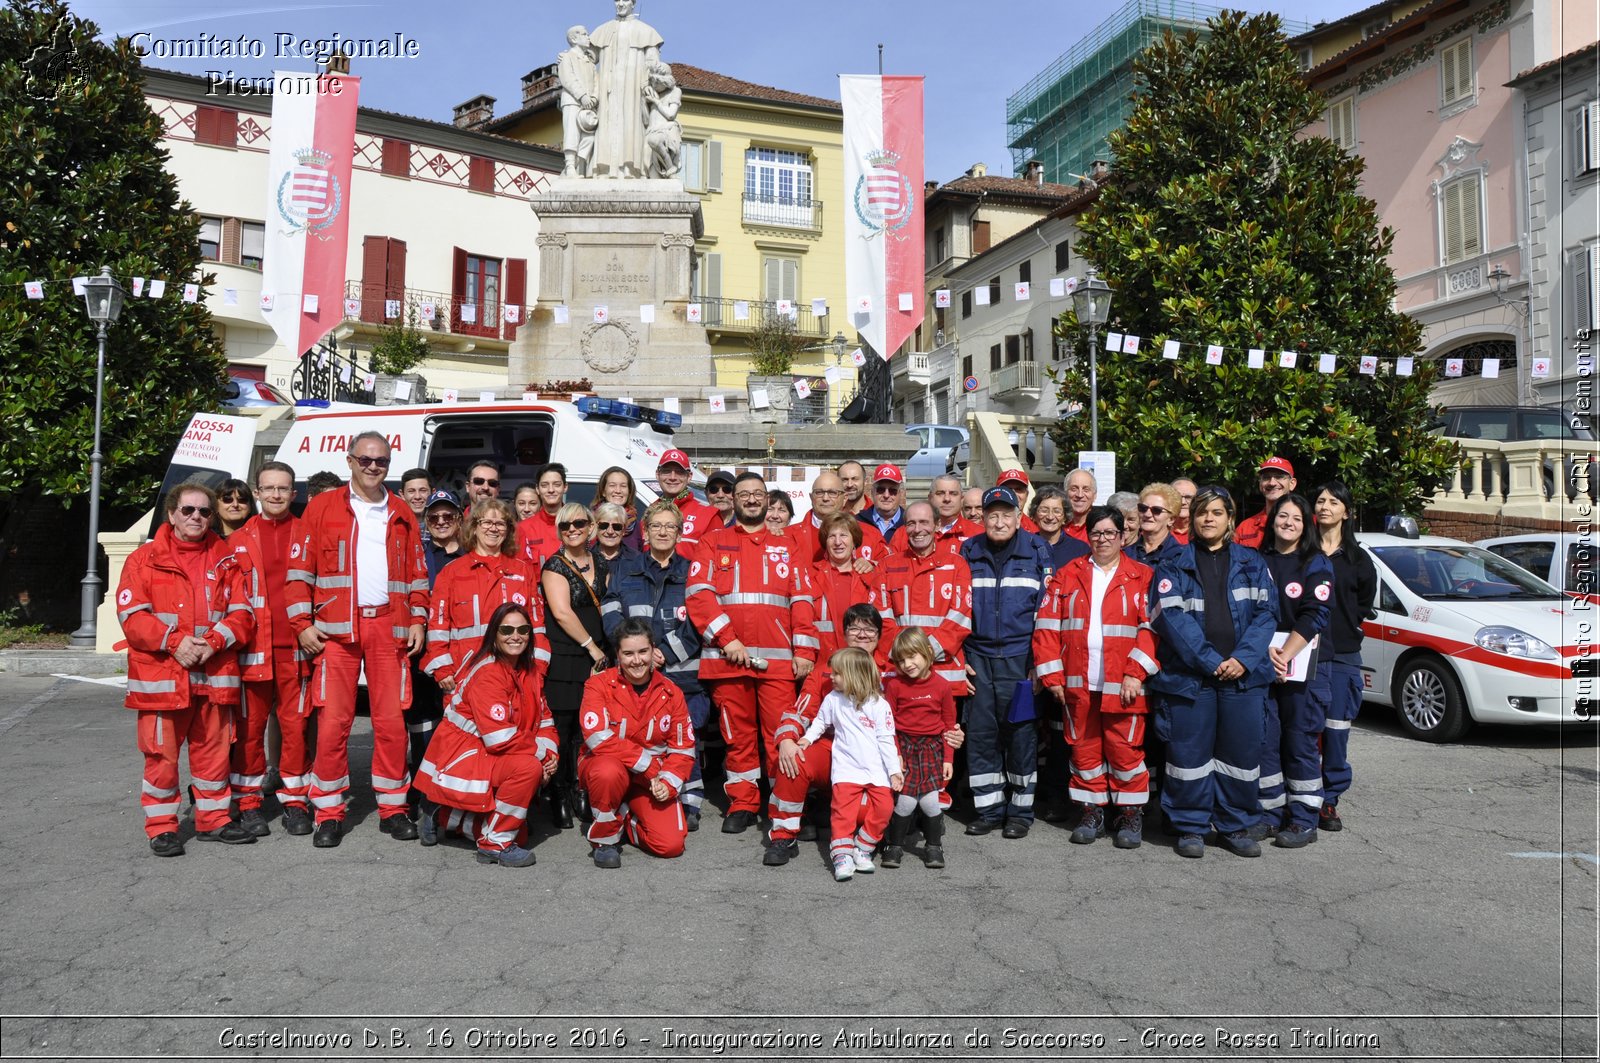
[[574, 655]]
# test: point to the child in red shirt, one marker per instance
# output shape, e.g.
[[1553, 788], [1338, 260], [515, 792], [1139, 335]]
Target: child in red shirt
[[925, 716]]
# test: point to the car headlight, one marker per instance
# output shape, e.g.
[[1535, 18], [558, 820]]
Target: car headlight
[[1514, 643]]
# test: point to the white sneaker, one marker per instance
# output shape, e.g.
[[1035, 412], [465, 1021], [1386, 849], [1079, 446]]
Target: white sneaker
[[844, 869], [863, 861]]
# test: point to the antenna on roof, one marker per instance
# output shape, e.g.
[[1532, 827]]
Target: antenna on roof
[[880, 60]]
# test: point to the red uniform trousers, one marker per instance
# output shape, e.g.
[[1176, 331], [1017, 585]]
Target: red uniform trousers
[[513, 781], [1105, 741], [278, 696], [750, 709], [788, 801], [621, 800], [860, 813], [208, 729], [333, 691]]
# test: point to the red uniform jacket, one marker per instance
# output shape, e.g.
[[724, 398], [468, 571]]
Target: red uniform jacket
[[322, 576], [699, 520], [495, 710], [935, 594], [467, 592], [805, 534], [822, 616], [1060, 633], [1251, 531], [157, 608], [538, 539], [650, 733], [256, 657], [947, 539], [745, 586]]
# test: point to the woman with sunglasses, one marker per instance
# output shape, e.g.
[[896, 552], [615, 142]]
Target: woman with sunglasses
[[574, 583], [489, 573], [617, 487], [235, 506], [1291, 765], [1157, 509], [1214, 610], [497, 744], [611, 534]]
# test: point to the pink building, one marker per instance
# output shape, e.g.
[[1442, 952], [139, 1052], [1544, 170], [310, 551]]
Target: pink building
[[1422, 94]]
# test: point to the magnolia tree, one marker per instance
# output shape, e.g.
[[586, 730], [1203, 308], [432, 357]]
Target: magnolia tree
[[1224, 223]]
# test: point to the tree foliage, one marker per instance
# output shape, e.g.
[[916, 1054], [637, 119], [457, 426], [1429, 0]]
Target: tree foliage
[[84, 186], [1222, 224]]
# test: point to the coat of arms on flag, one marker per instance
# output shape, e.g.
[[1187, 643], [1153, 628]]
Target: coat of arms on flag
[[883, 195], [309, 196]]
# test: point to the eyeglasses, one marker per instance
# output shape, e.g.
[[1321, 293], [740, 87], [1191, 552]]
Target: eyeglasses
[[1153, 510], [752, 496], [492, 525], [662, 527], [189, 511], [479, 481], [232, 497], [607, 525], [886, 488], [367, 463], [275, 489], [515, 629], [442, 518], [1110, 534], [1186, 499], [861, 632], [827, 493], [573, 525]]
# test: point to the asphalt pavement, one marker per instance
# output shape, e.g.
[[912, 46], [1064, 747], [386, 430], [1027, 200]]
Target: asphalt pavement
[[1455, 916]]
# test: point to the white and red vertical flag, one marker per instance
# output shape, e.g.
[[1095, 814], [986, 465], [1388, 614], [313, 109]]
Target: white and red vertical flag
[[308, 203], [883, 217]]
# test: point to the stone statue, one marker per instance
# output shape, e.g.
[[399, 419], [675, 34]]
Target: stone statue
[[663, 136], [626, 48], [580, 102]]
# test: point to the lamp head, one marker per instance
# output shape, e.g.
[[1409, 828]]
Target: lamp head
[[102, 296]]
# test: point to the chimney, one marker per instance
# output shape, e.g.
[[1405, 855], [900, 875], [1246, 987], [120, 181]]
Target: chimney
[[538, 81], [338, 63], [930, 186], [474, 113], [1098, 170], [978, 170], [1034, 172]]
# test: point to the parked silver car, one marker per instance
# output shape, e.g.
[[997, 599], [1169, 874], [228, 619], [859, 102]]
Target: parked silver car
[[1564, 559], [935, 444]]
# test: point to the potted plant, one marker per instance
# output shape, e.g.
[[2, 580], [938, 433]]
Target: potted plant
[[773, 346], [400, 348]]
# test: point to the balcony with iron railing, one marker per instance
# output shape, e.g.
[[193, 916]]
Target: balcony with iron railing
[[748, 315], [1017, 380], [451, 312], [784, 212]]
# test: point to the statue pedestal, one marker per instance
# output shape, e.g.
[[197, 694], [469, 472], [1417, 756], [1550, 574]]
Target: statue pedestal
[[619, 245]]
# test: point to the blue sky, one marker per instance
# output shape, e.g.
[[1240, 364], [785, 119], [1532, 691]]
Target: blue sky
[[973, 54]]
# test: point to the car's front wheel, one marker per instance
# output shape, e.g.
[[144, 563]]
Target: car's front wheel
[[1428, 697]]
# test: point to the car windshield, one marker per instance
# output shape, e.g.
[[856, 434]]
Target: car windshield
[[1462, 573]]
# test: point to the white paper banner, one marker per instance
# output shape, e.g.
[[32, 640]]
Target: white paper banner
[[230, 297], [741, 310], [1256, 358], [941, 297], [80, 286], [819, 308], [1022, 291], [1491, 368], [1113, 341], [309, 303], [980, 295], [694, 312], [907, 302], [486, 396], [34, 289], [344, 374], [391, 309], [1169, 350], [1130, 345], [1058, 287], [402, 391], [1404, 365], [562, 315], [158, 288], [832, 374], [759, 399], [1286, 359], [717, 404], [647, 313], [469, 313], [1325, 363], [1369, 365], [352, 308], [670, 404], [191, 293], [1213, 355]]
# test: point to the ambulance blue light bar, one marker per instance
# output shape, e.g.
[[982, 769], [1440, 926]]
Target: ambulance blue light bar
[[615, 410]]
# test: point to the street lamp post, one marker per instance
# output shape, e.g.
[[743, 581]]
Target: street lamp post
[[1092, 302], [839, 344], [102, 297]]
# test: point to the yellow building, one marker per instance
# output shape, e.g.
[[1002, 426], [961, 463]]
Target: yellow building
[[768, 166]]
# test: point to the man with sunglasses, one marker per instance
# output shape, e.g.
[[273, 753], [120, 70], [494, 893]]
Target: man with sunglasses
[[672, 473], [483, 481], [184, 606], [744, 585], [441, 518], [537, 536], [358, 596], [886, 513], [271, 660], [719, 492]]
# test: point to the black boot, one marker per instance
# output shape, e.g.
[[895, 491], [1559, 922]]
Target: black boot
[[894, 840], [933, 831], [560, 813]]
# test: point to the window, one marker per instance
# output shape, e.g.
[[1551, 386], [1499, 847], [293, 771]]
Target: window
[[966, 368], [702, 166], [966, 304], [1013, 350], [777, 187], [1533, 556], [1305, 55], [780, 278], [1455, 72], [1025, 272], [216, 126], [396, 161], [1342, 123], [994, 357], [477, 295], [1585, 263], [706, 285], [383, 275], [1586, 149], [1063, 257], [980, 237], [480, 174], [1461, 218], [994, 291], [940, 250], [252, 243], [211, 238]]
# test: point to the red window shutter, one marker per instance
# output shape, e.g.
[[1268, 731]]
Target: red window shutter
[[458, 287], [397, 271], [374, 277], [980, 237], [516, 290], [396, 157], [205, 125], [480, 174], [216, 126]]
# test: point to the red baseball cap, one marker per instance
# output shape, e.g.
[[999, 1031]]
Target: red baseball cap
[[1010, 476], [1278, 465], [675, 457], [890, 472]]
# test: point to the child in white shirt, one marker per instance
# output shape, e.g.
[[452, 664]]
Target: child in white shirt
[[866, 762]]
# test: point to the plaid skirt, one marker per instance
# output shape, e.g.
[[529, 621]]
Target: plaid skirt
[[922, 758]]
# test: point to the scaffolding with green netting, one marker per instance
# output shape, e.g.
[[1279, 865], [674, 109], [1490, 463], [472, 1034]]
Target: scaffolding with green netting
[[1063, 118]]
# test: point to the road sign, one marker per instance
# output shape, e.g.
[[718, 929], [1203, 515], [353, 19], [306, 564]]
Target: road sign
[[970, 384]]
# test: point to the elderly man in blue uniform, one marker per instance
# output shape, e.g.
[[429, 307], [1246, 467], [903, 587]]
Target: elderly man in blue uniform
[[1010, 568]]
